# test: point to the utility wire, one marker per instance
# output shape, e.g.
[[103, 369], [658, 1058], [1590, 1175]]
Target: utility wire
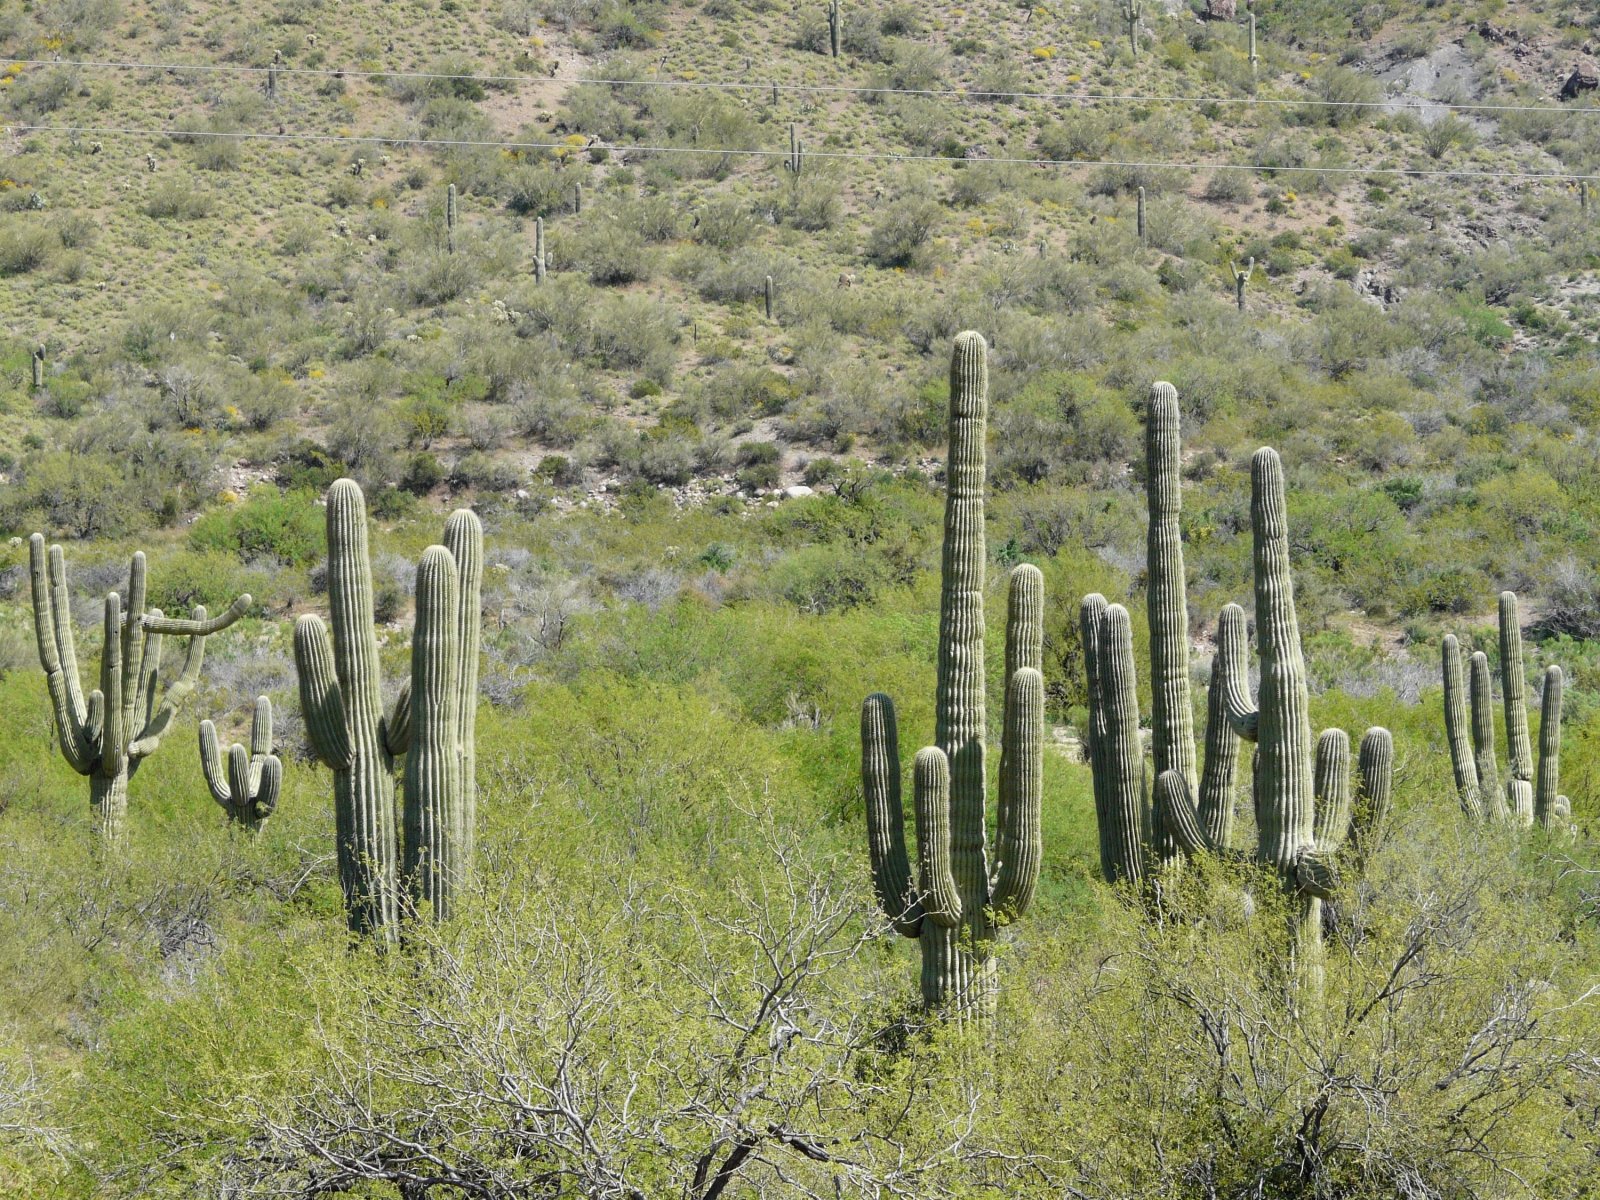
[[748, 152], [826, 88]]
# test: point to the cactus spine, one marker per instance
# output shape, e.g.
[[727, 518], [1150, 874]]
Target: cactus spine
[[351, 735], [247, 784], [539, 265], [109, 733], [450, 217], [958, 901], [833, 27]]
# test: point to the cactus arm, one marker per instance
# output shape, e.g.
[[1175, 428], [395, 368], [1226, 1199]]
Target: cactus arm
[[886, 839], [941, 900], [433, 817], [264, 800], [397, 725], [1232, 664], [212, 767], [61, 603], [1332, 789], [133, 647], [1172, 718], [1121, 817], [1024, 620], [239, 790], [114, 756], [1514, 690], [1546, 796], [463, 537], [1176, 812], [74, 726], [1021, 793], [198, 625], [1375, 778], [178, 693], [1090, 624], [1482, 697], [1219, 780], [149, 679], [1462, 762], [320, 699], [261, 728]]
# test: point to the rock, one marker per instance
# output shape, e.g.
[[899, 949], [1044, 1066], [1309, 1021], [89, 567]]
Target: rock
[[797, 491], [1221, 10], [1585, 77]]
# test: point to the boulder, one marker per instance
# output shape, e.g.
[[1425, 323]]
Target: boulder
[[1585, 77]]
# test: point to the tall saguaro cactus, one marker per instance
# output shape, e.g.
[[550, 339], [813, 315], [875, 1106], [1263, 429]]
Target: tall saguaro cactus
[[833, 27], [1530, 791], [350, 733], [248, 782], [109, 733], [450, 218], [959, 899]]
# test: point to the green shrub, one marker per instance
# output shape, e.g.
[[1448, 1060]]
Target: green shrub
[[281, 527]]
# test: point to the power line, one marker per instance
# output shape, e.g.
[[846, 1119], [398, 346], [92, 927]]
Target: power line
[[825, 88], [853, 155]]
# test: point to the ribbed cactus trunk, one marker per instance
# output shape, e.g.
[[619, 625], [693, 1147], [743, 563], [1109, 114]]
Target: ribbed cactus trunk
[[109, 733], [450, 218], [1122, 802], [1463, 763], [1482, 698], [538, 250], [958, 901], [1172, 719], [463, 539], [1550, 807], [435, 820]]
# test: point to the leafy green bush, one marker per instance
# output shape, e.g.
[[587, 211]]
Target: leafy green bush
[[281, 527]]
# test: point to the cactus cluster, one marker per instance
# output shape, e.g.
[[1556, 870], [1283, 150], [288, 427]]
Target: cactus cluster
[[958, 898], [247, 784], [1303, 795], [1528, 794], [109, 733], [432, 722]]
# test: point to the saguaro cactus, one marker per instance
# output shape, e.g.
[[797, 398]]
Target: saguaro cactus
[[538, 250], [38, 368], [1131, 12], [109, 733], [833, 27], [450, 217], [1550, 807], [1144, 239], [1463, 760], [768, 291], [351, 735], [247, 785], [959, 900], [1514, 694], [1240, 278], [795, 152]]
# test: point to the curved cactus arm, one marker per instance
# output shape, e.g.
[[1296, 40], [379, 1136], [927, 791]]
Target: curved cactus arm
[[397, 725], [1375, 788], [1462, 761], [52, 623], [1546, 795], [1232, 669], [320, 698], [149, 682], [1122, 815], [1021, 794], [212, 766], [1482, 697], [178, 693], [1175, 809], [114, 755], [930, 773], [1332, 789], [1219, 779], [264, 800], [1514, 692], [198, 625], [886, 838]]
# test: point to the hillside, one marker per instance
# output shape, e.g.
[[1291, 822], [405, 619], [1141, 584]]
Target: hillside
[[245, 253]]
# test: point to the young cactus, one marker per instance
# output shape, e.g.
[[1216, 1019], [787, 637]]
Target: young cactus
[[247, 784], [109, 733], [351, 735], [959, 900]]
